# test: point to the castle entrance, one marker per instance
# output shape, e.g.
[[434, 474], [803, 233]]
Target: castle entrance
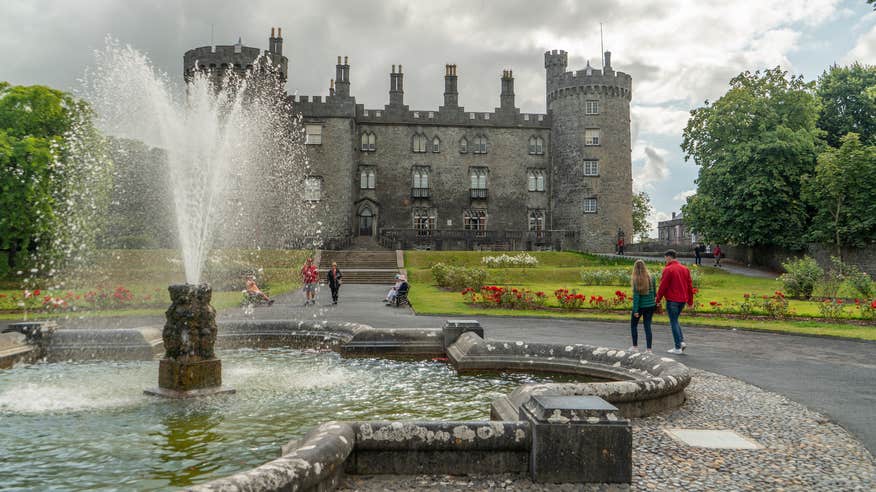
[[366, 221]]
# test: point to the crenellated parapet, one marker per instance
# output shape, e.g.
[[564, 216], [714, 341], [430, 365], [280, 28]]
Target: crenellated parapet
[[604, 82], [237, 57]]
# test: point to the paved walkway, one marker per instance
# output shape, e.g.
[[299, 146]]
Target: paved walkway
[[832, 376], [730, 267]]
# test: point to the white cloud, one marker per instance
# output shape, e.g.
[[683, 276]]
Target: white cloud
[[682, 197], [658, 120], [653, 170], [864, 50]]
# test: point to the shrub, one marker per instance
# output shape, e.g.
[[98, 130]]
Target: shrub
[[868, 309], [832, 308], [458, 278], [569, 299], [605, 277], [776, 305], [511, 298], [859, 281], [503, 261], [801, 276]]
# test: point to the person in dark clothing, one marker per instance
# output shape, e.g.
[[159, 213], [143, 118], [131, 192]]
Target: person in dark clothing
[[333, 278], [698, 254]]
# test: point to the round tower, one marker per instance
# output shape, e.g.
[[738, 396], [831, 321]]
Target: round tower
[[592, 184], [237, 57]]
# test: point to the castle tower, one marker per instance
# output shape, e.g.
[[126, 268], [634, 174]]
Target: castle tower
[[591, 174], [237, 57]]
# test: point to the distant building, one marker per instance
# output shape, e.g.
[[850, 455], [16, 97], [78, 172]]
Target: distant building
[[673, 232], [448, 178]]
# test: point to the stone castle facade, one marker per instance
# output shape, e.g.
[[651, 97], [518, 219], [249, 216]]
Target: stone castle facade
[[448, 178]]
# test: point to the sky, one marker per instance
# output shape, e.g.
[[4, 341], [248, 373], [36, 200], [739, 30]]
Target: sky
[[678, 52]]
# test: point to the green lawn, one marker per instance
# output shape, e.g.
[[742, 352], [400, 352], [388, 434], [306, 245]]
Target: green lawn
[[134, 282], [558, 270]]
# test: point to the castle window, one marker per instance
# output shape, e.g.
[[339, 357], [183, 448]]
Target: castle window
[[526, 117], [536, 145], [541, 117], [431, 114], [313, 134], [590, 205], [480, 145], [591, 106], [424, 221], [536, 223], [535, 181], [486, 116], [368, 142], [365, 113], [591, 167], [419, 142], [312, 188], [378, 114], [416, 114], [436, 144], [591, 136], [475, 220], [471, 116], [420, 182], [478, 177], [463, 145], [367, 179]]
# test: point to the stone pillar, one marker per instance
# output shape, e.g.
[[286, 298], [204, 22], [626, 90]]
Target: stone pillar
[[453, 328], [189, 367], [578, 439]]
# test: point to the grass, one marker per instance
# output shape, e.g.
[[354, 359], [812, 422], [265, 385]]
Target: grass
[[146, 274], [562, 270]]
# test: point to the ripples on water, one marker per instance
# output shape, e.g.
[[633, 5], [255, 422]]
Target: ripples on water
[[89, 426]]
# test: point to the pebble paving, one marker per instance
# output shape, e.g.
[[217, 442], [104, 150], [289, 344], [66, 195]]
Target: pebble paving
[[802, 450]]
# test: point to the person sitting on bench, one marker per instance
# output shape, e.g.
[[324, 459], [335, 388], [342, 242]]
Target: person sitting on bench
[[390, 296], [401, 295], [254, 293]]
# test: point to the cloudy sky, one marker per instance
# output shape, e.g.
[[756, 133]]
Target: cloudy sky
[[679, 52]]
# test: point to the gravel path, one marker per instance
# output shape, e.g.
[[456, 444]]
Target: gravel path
[[802, 450]]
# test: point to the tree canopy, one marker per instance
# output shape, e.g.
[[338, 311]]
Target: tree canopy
[[842, 196], [641, 210], [849, 97], [753, 146]]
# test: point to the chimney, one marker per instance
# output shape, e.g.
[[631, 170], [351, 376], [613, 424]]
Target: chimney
[[607, 66], [673, 215], [342, 78], [396, 87], [331, 87], [451, 96], [275, 43], [506, 99]]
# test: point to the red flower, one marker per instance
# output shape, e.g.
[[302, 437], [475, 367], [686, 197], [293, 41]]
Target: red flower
[[696, 291], [779, 293], [746, 296], [713, 303], [873, 304], [2, 296], [839, 301], [36, 292]]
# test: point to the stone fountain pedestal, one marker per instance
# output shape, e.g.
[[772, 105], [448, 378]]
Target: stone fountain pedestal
[[189, 368]]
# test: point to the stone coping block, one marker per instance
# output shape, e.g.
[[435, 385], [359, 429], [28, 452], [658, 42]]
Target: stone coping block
[[315, 462], [453, 328], [104, 344], [640, 383], [413, 436], [570, 409]]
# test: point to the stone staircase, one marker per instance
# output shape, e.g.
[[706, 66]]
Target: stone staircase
[[362, 267]]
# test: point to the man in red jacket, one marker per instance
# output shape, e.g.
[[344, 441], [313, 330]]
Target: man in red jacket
[[677, 287]]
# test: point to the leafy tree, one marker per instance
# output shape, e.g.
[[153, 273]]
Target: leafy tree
[[841, 193], [38, 188], [849, 103], [641, 211], [753, 146]]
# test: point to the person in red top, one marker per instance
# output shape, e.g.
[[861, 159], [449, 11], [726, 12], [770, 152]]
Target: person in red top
[[676, 286], [717, 252], [620, 246], [310, 276]]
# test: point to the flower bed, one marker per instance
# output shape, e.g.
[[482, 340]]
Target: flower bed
[[524, 260], [101, 298]]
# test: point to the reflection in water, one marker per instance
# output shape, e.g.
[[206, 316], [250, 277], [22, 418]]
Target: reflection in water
[[185, 440]]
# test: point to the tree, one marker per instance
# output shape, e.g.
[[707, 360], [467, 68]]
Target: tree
[[753, 146], [38, 187], [641, 211], [841, 193], [849, 103]]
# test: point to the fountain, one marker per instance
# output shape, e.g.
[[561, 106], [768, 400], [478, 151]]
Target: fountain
[[189, 367]]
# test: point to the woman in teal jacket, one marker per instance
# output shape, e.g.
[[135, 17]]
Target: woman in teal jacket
[[644, 303]]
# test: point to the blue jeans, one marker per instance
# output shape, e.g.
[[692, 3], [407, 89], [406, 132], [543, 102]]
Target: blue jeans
[[646, 314], [673, 310]]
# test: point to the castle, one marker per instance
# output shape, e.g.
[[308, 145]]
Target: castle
[[448, 178]]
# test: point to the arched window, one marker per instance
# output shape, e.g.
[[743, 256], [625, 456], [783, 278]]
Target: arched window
[[463, 146], [419, 142], [436, 144], [480, 145], [535, 180], [367, 179], [536, 145], [368, 142], [420, 182]]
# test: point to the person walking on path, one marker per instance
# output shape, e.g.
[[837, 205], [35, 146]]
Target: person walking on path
[[334, 277], [698, 254], [676, 286], [620, 246], [644, 303], [717, 252], [309, 276]]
